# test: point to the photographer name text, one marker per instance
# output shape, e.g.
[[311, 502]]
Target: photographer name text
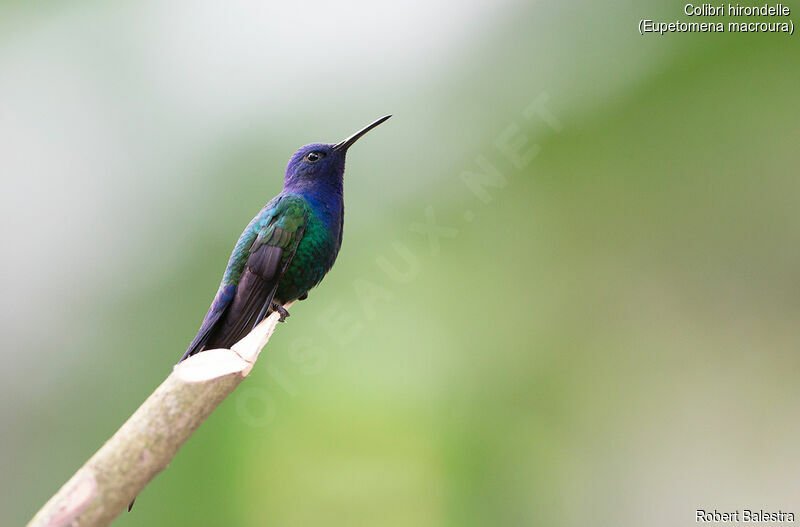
[[743, 516]]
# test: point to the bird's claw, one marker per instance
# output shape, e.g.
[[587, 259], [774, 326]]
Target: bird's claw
[[282, 310]]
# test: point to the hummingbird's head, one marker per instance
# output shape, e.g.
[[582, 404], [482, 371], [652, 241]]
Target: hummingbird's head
[[314, 164], [321, 164]]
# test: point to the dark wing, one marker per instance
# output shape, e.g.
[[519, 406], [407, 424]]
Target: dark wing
[[215, 312], [256, 288], [270, 255]]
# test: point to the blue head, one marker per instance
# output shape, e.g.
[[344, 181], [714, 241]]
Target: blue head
[[315, 166], [317, 170]]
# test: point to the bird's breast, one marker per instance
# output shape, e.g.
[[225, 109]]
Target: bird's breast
[[314, 257]]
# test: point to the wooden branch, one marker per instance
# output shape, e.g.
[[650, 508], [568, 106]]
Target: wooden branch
[[102, 488]]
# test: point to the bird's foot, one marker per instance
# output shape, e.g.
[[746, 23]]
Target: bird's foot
[[282, 310]]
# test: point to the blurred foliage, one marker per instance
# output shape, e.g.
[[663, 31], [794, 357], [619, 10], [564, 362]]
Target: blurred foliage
[[610, 339]]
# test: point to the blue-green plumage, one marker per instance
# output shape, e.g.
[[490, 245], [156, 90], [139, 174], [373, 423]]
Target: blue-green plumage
[[285, 250]]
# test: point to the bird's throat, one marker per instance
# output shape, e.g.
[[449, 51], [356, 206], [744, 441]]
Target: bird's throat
[[326, 200]]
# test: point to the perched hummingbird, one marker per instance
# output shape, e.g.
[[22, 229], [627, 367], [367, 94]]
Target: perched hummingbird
[[285, 250]]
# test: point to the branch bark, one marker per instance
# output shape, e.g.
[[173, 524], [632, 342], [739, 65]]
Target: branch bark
[[103, 487]]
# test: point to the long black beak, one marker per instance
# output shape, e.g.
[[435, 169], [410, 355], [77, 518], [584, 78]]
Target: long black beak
[[347, 143]]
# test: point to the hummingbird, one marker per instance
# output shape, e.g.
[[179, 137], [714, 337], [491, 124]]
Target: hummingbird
[[287, 248]]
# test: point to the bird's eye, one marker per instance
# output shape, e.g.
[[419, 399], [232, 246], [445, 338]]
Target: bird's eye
[[313, 157]]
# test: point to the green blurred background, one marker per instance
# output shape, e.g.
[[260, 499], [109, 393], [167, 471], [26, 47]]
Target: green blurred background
[[606, 336]]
